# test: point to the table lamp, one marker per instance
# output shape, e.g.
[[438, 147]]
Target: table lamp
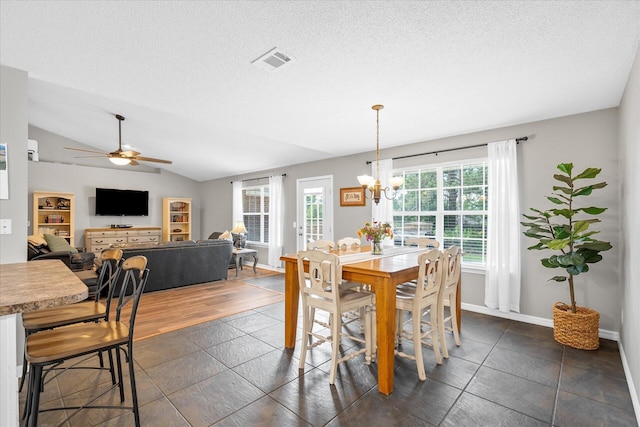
[[240, 229]]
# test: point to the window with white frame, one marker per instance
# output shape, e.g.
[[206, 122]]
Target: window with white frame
[[255, 207], [446, 202]]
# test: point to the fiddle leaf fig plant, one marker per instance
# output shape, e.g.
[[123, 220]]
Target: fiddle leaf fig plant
[[566, 227]]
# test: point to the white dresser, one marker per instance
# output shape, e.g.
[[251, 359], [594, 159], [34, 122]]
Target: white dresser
[[97, 239]]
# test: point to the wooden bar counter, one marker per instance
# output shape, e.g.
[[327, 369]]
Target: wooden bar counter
[[28, 286]]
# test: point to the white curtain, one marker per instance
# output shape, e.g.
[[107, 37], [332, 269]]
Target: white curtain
[[502, 279], [237, 210], [276, 220], [383, 212]]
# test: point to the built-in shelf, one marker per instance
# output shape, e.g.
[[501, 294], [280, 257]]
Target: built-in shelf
[[176, 219], [53, 214]]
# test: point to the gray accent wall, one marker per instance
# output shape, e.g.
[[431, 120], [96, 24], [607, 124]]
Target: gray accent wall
[[587, 140], [13, 131], [629, 259], [83, 180]]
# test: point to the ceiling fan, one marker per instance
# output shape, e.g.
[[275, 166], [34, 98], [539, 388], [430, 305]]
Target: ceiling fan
[[121, 157]]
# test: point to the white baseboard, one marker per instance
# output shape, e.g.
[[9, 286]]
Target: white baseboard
[[541, 321], [632, 388]]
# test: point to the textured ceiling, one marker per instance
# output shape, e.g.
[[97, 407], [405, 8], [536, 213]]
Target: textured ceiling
[[181, 73]]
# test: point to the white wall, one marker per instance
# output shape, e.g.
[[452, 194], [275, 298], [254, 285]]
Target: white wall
[[629, 226]]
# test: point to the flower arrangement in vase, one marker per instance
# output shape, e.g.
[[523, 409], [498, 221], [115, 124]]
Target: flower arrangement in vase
[[375, 233]]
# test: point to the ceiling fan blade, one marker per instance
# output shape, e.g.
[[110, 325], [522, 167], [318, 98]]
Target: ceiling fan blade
[[89, 157], [129, 153], [88, 151], [151, 159]]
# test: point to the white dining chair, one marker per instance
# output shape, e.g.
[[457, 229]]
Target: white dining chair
[[348, 243], [321, 289], [447, 297], [321, 245], [418, 301]]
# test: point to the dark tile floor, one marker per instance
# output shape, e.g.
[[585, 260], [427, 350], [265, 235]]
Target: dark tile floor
[[235, 372]]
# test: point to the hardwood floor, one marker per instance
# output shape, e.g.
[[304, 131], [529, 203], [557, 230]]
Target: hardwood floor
[[165, 311]]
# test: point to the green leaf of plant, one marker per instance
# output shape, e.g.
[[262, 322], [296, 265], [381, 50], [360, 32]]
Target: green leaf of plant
[[592, 210], [537, 246], [579, 238], [595, 245], [567, 213], [563, 189], [535, 235], [584, 191], [562, 231], [599, 185], [566, 168], [570, 259], [563, 178], [531, 217], [580, 226], [588, 173], [558, 244], [555, 200], [593, 259], [548, 263], [573, 270], [558, 278]]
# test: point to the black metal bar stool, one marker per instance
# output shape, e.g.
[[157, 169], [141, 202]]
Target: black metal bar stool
[[47, 348]]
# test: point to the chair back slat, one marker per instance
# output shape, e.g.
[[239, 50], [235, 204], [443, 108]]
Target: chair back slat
[[430, 274], [324, 277], [423, 242], [111, 259], [135, 277], [453, 258], [348, 243], [321, 245]]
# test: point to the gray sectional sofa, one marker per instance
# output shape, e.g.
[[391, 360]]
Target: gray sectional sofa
[[175, 264]]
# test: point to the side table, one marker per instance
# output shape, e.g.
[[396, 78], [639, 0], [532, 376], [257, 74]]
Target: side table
[[240, 253]]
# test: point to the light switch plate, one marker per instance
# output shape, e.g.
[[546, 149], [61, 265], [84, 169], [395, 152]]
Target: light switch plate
[[5, 226]]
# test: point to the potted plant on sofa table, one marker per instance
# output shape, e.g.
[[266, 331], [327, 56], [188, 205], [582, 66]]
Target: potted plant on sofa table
[[566, 230]]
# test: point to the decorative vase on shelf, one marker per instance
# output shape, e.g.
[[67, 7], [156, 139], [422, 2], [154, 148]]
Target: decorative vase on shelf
[[376, 248]]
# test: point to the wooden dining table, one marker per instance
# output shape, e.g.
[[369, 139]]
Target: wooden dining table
[[383, 272]]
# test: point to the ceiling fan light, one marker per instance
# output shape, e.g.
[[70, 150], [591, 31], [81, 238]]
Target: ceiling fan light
[[120, 161]]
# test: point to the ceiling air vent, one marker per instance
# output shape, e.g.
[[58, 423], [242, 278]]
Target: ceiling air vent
[[273, 60]]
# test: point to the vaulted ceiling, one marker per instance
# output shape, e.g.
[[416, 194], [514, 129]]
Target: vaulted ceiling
[[182, 73]]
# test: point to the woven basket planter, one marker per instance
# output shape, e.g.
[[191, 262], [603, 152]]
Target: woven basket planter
[[577, 330]]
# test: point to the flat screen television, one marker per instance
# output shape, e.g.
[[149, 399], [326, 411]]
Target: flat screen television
[[112, 202]]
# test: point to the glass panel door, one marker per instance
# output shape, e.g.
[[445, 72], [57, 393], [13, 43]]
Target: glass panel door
[[315, 210]]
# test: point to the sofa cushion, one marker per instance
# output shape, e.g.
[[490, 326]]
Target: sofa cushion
[[59, 244]]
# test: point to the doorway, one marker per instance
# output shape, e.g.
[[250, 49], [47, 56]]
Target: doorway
[[315, 210]]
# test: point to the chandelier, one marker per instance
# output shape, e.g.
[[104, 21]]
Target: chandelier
[[373, 184]]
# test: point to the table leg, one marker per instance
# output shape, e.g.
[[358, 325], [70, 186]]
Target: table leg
[[255, 262], [238, 261], [291, 298], [385, 323]]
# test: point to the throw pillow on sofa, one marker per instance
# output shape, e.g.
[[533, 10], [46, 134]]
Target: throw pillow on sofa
[[226, 236], [59, 244], [37, 240]]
